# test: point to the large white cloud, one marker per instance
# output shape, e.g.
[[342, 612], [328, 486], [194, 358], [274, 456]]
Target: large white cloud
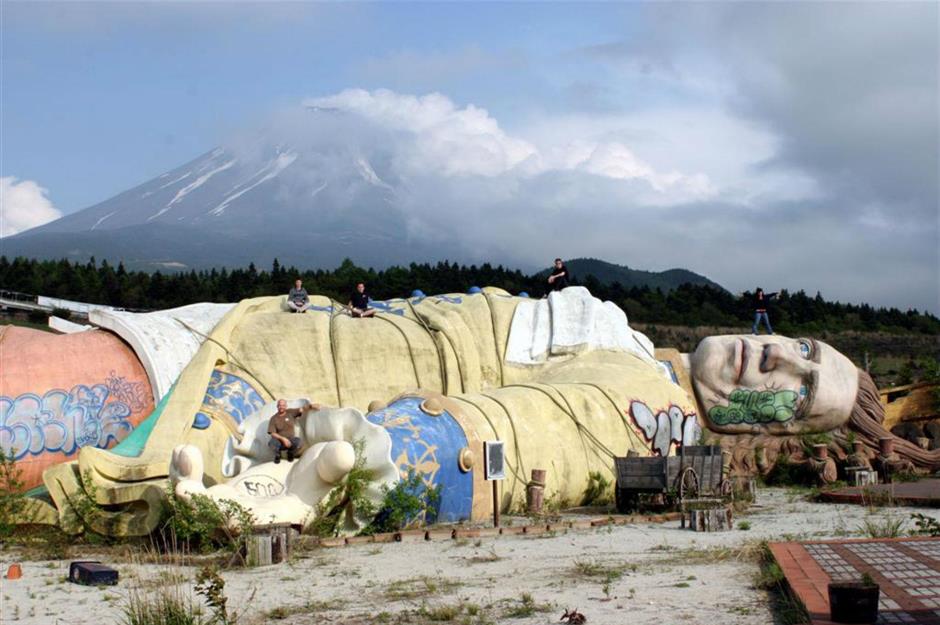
[[437, 137], [23, 205]]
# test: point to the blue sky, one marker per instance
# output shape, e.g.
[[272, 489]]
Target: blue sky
[[99, 97], [804, 135]]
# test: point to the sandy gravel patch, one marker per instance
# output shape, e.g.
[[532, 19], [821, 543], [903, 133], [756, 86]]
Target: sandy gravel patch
[[638, 574]]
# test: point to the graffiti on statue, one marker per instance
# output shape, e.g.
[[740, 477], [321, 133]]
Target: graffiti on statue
[[666, 426], [94, 415], [750, 406], [259, 486]]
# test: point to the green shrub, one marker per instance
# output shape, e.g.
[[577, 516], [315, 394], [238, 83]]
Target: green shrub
[[39, 317], [349, 494], [205, 524], [598, 490], [409, 503], [62, 313], [12, 499]]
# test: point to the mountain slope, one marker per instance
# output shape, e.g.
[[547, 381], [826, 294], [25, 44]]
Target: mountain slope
[[608, 273], [228, 209]]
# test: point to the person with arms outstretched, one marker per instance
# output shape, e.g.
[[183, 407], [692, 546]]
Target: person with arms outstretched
[[760, 302]]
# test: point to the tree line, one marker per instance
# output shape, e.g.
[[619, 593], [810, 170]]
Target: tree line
[[690, 305]]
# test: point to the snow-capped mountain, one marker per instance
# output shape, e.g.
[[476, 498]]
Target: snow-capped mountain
[[232, 206]]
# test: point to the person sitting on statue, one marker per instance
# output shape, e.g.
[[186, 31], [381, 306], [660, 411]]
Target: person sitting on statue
[[297, 299], [359, 302], [282, 430], [559, 276]]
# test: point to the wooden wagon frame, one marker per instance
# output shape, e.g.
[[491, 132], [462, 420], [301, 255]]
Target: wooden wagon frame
[[696, 471]]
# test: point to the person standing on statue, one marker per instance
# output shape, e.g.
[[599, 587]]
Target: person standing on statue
[[760, 303], [559, 276]]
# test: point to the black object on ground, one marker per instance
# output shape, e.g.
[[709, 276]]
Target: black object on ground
[[853, 602], [92, 573]]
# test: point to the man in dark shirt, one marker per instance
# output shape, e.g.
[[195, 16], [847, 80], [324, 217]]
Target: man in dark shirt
[[297, 298], [559, 276], [283, 434], [359, 302], [760, 303]]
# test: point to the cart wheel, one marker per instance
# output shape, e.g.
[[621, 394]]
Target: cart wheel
[[727, 490], [688, 484]]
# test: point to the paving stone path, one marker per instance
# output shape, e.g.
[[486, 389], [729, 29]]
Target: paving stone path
[[906, 569]]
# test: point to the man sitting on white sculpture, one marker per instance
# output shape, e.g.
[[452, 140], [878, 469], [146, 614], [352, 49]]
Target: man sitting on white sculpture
[[283, 434]]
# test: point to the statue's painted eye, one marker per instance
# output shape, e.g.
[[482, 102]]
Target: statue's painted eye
[[806, 350], [803, 391]]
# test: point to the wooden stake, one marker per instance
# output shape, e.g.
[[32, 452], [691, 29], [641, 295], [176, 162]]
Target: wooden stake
[[495, 503]]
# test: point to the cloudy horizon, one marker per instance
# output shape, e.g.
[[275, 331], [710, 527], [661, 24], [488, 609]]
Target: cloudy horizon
[[791, 146]]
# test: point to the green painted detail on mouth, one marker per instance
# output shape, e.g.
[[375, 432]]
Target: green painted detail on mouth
[[750, 406]]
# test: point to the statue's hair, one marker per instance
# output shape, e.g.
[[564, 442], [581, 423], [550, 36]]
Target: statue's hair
[[864, 425], [868, 415]]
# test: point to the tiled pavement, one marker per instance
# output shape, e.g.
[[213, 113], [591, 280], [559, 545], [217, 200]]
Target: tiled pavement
[[906, 569], [919, 493]]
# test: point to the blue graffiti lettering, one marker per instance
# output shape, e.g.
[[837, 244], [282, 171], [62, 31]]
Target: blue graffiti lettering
[[63, 421]]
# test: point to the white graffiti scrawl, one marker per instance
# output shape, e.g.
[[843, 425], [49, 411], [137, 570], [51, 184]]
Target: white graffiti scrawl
[[665, 427], [63, 421]]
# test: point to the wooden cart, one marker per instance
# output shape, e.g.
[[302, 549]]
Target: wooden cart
[[695, 471]]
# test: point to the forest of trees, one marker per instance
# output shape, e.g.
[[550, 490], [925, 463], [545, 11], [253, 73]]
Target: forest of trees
[[690, 305]]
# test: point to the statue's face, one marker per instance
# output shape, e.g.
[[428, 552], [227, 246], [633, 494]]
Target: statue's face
[[772, 384]]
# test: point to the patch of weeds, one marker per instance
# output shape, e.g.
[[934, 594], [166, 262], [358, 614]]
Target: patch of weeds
[[877, 498], [681, 585], [417, 587], [592, 568], [166, 605], [462, 612], [741, 610], [322, 606], [888, 527], [744, 525], [926, 526], [211, 587], [770, 577], [598, 490], [749, 551], [279, 613], [525, 606]]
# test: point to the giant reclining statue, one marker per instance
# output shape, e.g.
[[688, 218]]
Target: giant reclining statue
[[564, 382]]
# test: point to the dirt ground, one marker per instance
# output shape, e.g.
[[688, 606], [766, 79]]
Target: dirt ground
[[644, 573]]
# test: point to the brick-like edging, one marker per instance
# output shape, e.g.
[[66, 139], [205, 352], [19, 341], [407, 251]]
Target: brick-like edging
[[456, 533]]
